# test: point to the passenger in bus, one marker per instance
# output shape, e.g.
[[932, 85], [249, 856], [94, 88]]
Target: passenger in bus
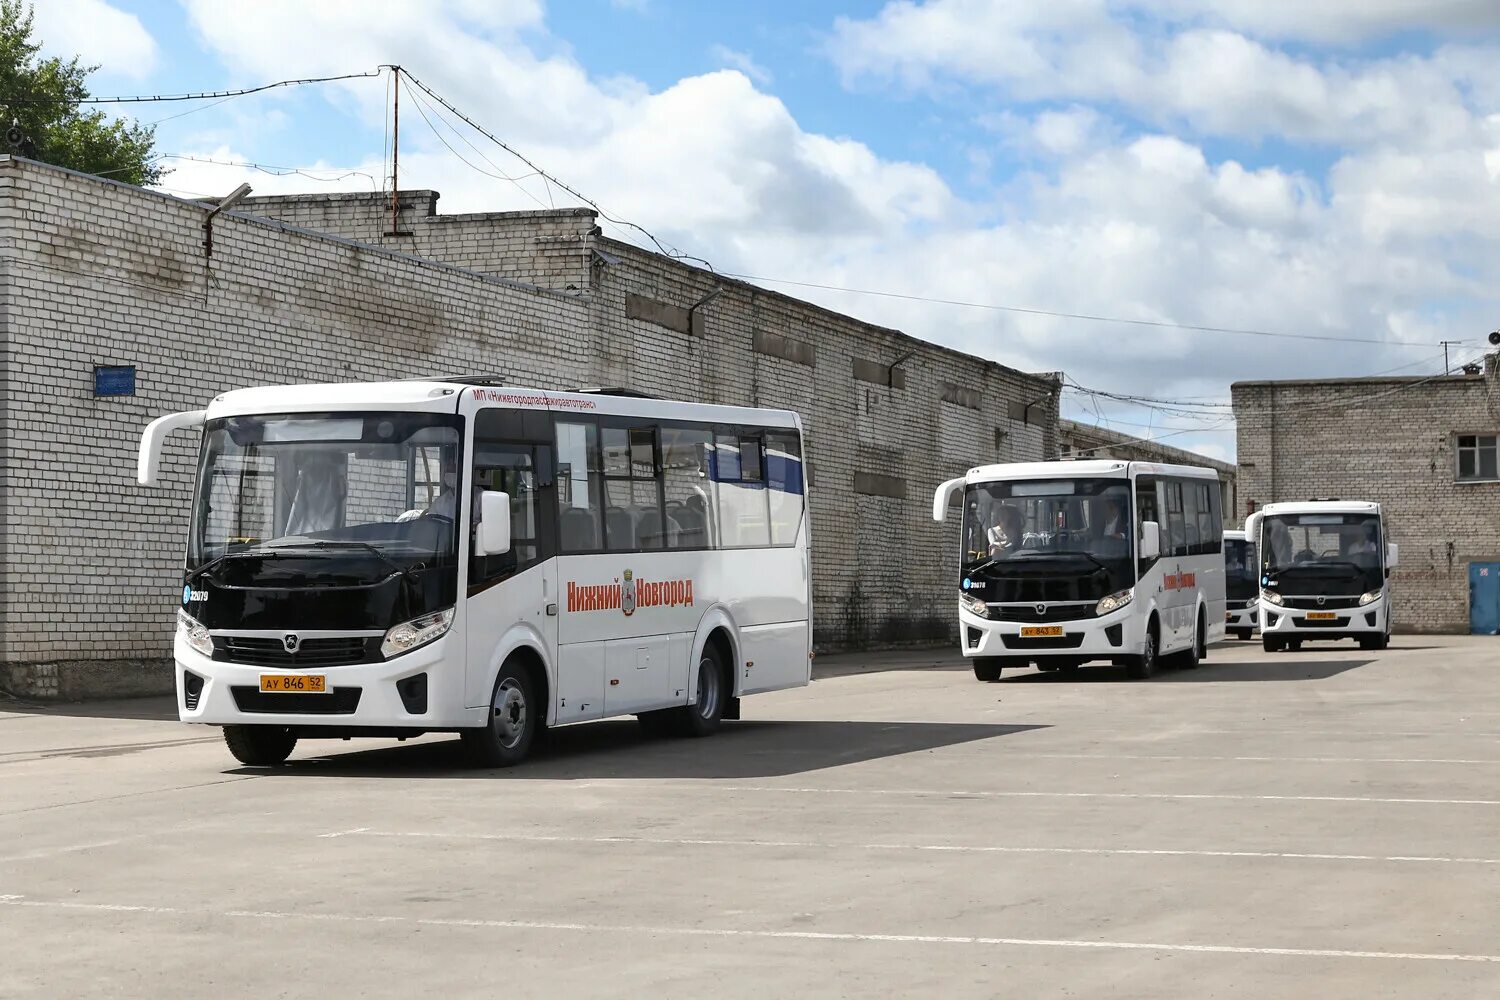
[[1005, 537]]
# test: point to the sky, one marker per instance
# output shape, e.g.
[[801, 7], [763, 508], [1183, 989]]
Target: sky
[[1328, 172]]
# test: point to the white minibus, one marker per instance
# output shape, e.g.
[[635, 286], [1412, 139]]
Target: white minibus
[[1066, 562], [456, 555]]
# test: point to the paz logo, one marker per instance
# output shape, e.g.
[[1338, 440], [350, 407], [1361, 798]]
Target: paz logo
[[627, 593]]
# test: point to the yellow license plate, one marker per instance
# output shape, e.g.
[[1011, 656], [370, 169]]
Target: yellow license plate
[[1041, 631], [1321, 616], [293, 684]]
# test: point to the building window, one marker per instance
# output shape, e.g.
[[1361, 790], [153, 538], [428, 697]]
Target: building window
[[1477, 457]]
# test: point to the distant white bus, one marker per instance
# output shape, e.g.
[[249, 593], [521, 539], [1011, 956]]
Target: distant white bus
[[1067, 562], [405, 557], [1241, 586], [1324, 569]]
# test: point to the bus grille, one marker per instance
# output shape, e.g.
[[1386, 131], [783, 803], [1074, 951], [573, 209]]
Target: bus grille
[[1324, 623], [259, 651], [1049, 612], [1329, 603], [1071, 640], [338, 701]]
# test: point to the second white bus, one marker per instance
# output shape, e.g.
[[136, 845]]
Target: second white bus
[[1067, 562], [455, 555]]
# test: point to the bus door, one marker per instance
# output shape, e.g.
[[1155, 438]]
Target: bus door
[[513, 454]]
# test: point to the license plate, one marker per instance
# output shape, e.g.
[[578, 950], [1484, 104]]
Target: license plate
[[1041, 631], [293, 684], [1321, 616]]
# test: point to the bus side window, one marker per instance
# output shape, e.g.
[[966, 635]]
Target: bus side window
[[1147, 509]]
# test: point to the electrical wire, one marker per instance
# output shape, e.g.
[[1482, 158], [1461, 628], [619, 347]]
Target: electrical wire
[[267, 168], [1088, 317], [497, 173], [551, 179], [203, 96]]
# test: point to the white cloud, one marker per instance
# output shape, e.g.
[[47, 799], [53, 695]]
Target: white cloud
[[1175, 67], [1334, 21], [1397, 242], [734, 59], [99, 34]]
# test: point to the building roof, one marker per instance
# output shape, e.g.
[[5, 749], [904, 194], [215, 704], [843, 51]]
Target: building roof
[[1114, 439]]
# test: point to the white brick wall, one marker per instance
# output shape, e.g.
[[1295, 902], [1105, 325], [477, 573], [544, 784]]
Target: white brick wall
[[93, 272]]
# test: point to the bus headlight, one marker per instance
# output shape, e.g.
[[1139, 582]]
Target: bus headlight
[[1251, 603], [1271, 597], [974, 605], [195, 633], [1369, 598], [1114, 602], [416, 633]]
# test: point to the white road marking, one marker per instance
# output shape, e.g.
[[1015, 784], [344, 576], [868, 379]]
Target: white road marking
[[949, 848], [734, 932], [344, 833], [967, 793], [1268, 760]]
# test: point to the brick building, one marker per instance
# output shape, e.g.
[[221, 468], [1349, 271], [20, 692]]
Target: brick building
[[1076, 440], [321, 288], [1423, 447]]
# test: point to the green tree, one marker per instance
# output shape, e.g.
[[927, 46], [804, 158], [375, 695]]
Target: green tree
[[41, 101]]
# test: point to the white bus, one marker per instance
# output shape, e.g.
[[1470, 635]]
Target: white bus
[[1066, 562], [1241, 586], [1325, 568], [458, 556]]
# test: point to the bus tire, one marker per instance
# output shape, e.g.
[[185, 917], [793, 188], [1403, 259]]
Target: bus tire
[[514, 719], [1200, 640], [1141, 666], [1242, 634], [1269, 644], [1294, 644], [987, 670], [703, 716], [260, 746]]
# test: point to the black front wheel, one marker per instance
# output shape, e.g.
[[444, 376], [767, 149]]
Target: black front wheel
[[514, 719], [260, 746], [1141, 666], [987, 670]]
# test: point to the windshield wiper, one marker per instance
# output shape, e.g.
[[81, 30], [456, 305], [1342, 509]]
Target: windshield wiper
[[406, 572], [208, 567], [1079, 552]]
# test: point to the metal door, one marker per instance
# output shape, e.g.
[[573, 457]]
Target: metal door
[[1484, 598]]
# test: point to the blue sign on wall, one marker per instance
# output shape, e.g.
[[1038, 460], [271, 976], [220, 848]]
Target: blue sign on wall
[[114, 380]]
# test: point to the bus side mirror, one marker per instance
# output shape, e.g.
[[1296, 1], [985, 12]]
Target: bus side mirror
[[1150, 540], [1391, 556], [493, 536], [943, 497], [148, 463], [1252, 528]]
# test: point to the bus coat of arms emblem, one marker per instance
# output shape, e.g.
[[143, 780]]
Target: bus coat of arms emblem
[[627, 593]]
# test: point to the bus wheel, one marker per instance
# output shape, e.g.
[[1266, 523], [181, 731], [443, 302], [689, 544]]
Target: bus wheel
[[987, 670], [1143, 665], [1269, 644], [702, 717], [259, 746], [1294, 644], [1242, 634], [506, 739]]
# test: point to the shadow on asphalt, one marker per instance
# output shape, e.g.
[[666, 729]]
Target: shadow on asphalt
[[619, 749], [156, 709], [1288, 668]]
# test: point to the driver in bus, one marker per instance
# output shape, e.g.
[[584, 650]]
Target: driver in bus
[[1005, 536], [445, 505], [1114, 519]]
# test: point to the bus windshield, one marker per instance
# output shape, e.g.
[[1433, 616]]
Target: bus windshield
[[1053, 539], [1322, 553], [1240, 581], [363, 494]]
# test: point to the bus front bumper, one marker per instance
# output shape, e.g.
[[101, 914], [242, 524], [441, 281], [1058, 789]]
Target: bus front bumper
[[1278, 621], [1105, 638], [419, 691], [1241, 618]]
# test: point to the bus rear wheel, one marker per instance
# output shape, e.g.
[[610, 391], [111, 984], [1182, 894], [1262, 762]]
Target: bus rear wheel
[[260, 746], [505, 740], [1269, 644], [703, 716]]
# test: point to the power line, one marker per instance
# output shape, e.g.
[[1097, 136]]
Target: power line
[[266, 168], [1156, 324], [550, 179], [423, 107], [202, 96]]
